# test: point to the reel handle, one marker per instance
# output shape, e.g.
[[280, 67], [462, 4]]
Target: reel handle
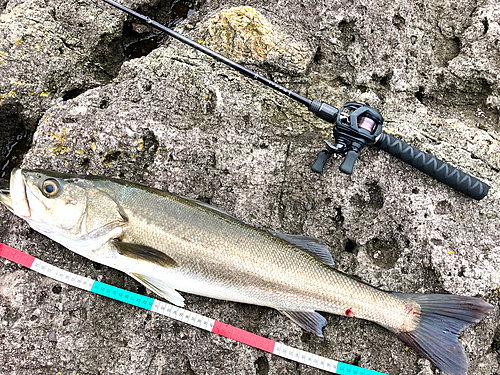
[[438, 169], [319, 164]]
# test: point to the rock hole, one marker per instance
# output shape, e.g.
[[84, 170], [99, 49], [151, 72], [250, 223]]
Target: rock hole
[[142, 47], [486, 25], [318, 56], [495, 344], [347, 33], [337, 215], [350, 246], [85, 163], [140, 43], [71, 94], [262, 365], [42, 297], [461, 272], [141, 290], [398, 21], [189, 369], [385, 253], [443, 208], [111, 157], [104, 104], [150, 141], [56, 289], [357, 360], [69, 120], [420, 94], [306, 337]]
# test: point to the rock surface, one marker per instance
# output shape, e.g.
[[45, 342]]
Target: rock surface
[[177, 120]]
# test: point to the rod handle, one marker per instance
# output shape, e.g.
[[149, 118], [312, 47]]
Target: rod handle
[[434, 167]]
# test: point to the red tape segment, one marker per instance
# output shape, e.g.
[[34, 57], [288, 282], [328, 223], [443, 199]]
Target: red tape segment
[[16, 256], [244, 337]]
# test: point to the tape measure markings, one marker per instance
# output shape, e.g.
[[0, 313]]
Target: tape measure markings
[[182, 315], [58, 274], [122, 295], [194, 319]]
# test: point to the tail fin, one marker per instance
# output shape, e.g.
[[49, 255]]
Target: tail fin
[[442, 318]]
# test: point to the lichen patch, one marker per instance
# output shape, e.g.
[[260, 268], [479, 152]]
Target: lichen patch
[[244, 34]]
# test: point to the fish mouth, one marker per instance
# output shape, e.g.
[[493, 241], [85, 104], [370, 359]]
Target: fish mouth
[[16, 199]]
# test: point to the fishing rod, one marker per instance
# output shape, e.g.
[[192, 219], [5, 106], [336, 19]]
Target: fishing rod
[[356, 125]]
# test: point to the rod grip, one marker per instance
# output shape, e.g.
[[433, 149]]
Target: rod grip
[[434, 167]]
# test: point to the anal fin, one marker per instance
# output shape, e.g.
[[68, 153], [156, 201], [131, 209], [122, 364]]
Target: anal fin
[[309, 320], [160, 288]]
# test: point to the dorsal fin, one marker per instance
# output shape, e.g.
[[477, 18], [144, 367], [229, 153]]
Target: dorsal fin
[[214, 209], [315, 247]]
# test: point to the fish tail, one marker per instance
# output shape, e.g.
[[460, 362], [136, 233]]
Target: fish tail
[[442, 318]]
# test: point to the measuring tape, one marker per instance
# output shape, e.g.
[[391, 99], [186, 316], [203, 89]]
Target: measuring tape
[[182, 315]]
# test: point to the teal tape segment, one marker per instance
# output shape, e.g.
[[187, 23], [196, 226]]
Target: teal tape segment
[[122, 295], [347, 369]]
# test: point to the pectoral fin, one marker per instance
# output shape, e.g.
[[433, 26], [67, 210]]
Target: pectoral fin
[[160, 288], [309, 320], [315, 247], [145, 253]]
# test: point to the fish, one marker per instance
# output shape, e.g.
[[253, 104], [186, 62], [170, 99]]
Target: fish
[[173, 244]]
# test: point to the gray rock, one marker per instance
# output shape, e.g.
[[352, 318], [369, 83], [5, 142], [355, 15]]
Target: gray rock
[[177, 120], [51, 51]]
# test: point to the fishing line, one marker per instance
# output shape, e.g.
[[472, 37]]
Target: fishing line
[[182, 315]]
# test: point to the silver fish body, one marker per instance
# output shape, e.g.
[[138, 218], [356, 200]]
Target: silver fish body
[[171, 244]]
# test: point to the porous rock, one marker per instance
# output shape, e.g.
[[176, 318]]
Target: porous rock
[[177, 120]]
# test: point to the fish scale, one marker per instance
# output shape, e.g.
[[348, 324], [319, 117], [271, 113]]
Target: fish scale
[[265, 271]]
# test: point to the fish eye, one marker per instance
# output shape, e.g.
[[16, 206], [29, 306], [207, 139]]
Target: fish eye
[[50, 188]]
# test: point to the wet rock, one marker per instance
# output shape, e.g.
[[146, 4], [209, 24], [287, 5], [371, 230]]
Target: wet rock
[[52, 52]]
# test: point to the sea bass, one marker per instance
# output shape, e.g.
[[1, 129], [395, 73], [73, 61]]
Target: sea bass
[[170, 244]]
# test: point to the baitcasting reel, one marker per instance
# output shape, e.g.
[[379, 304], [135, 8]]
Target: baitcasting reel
[[353, 130], [363, 126]]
